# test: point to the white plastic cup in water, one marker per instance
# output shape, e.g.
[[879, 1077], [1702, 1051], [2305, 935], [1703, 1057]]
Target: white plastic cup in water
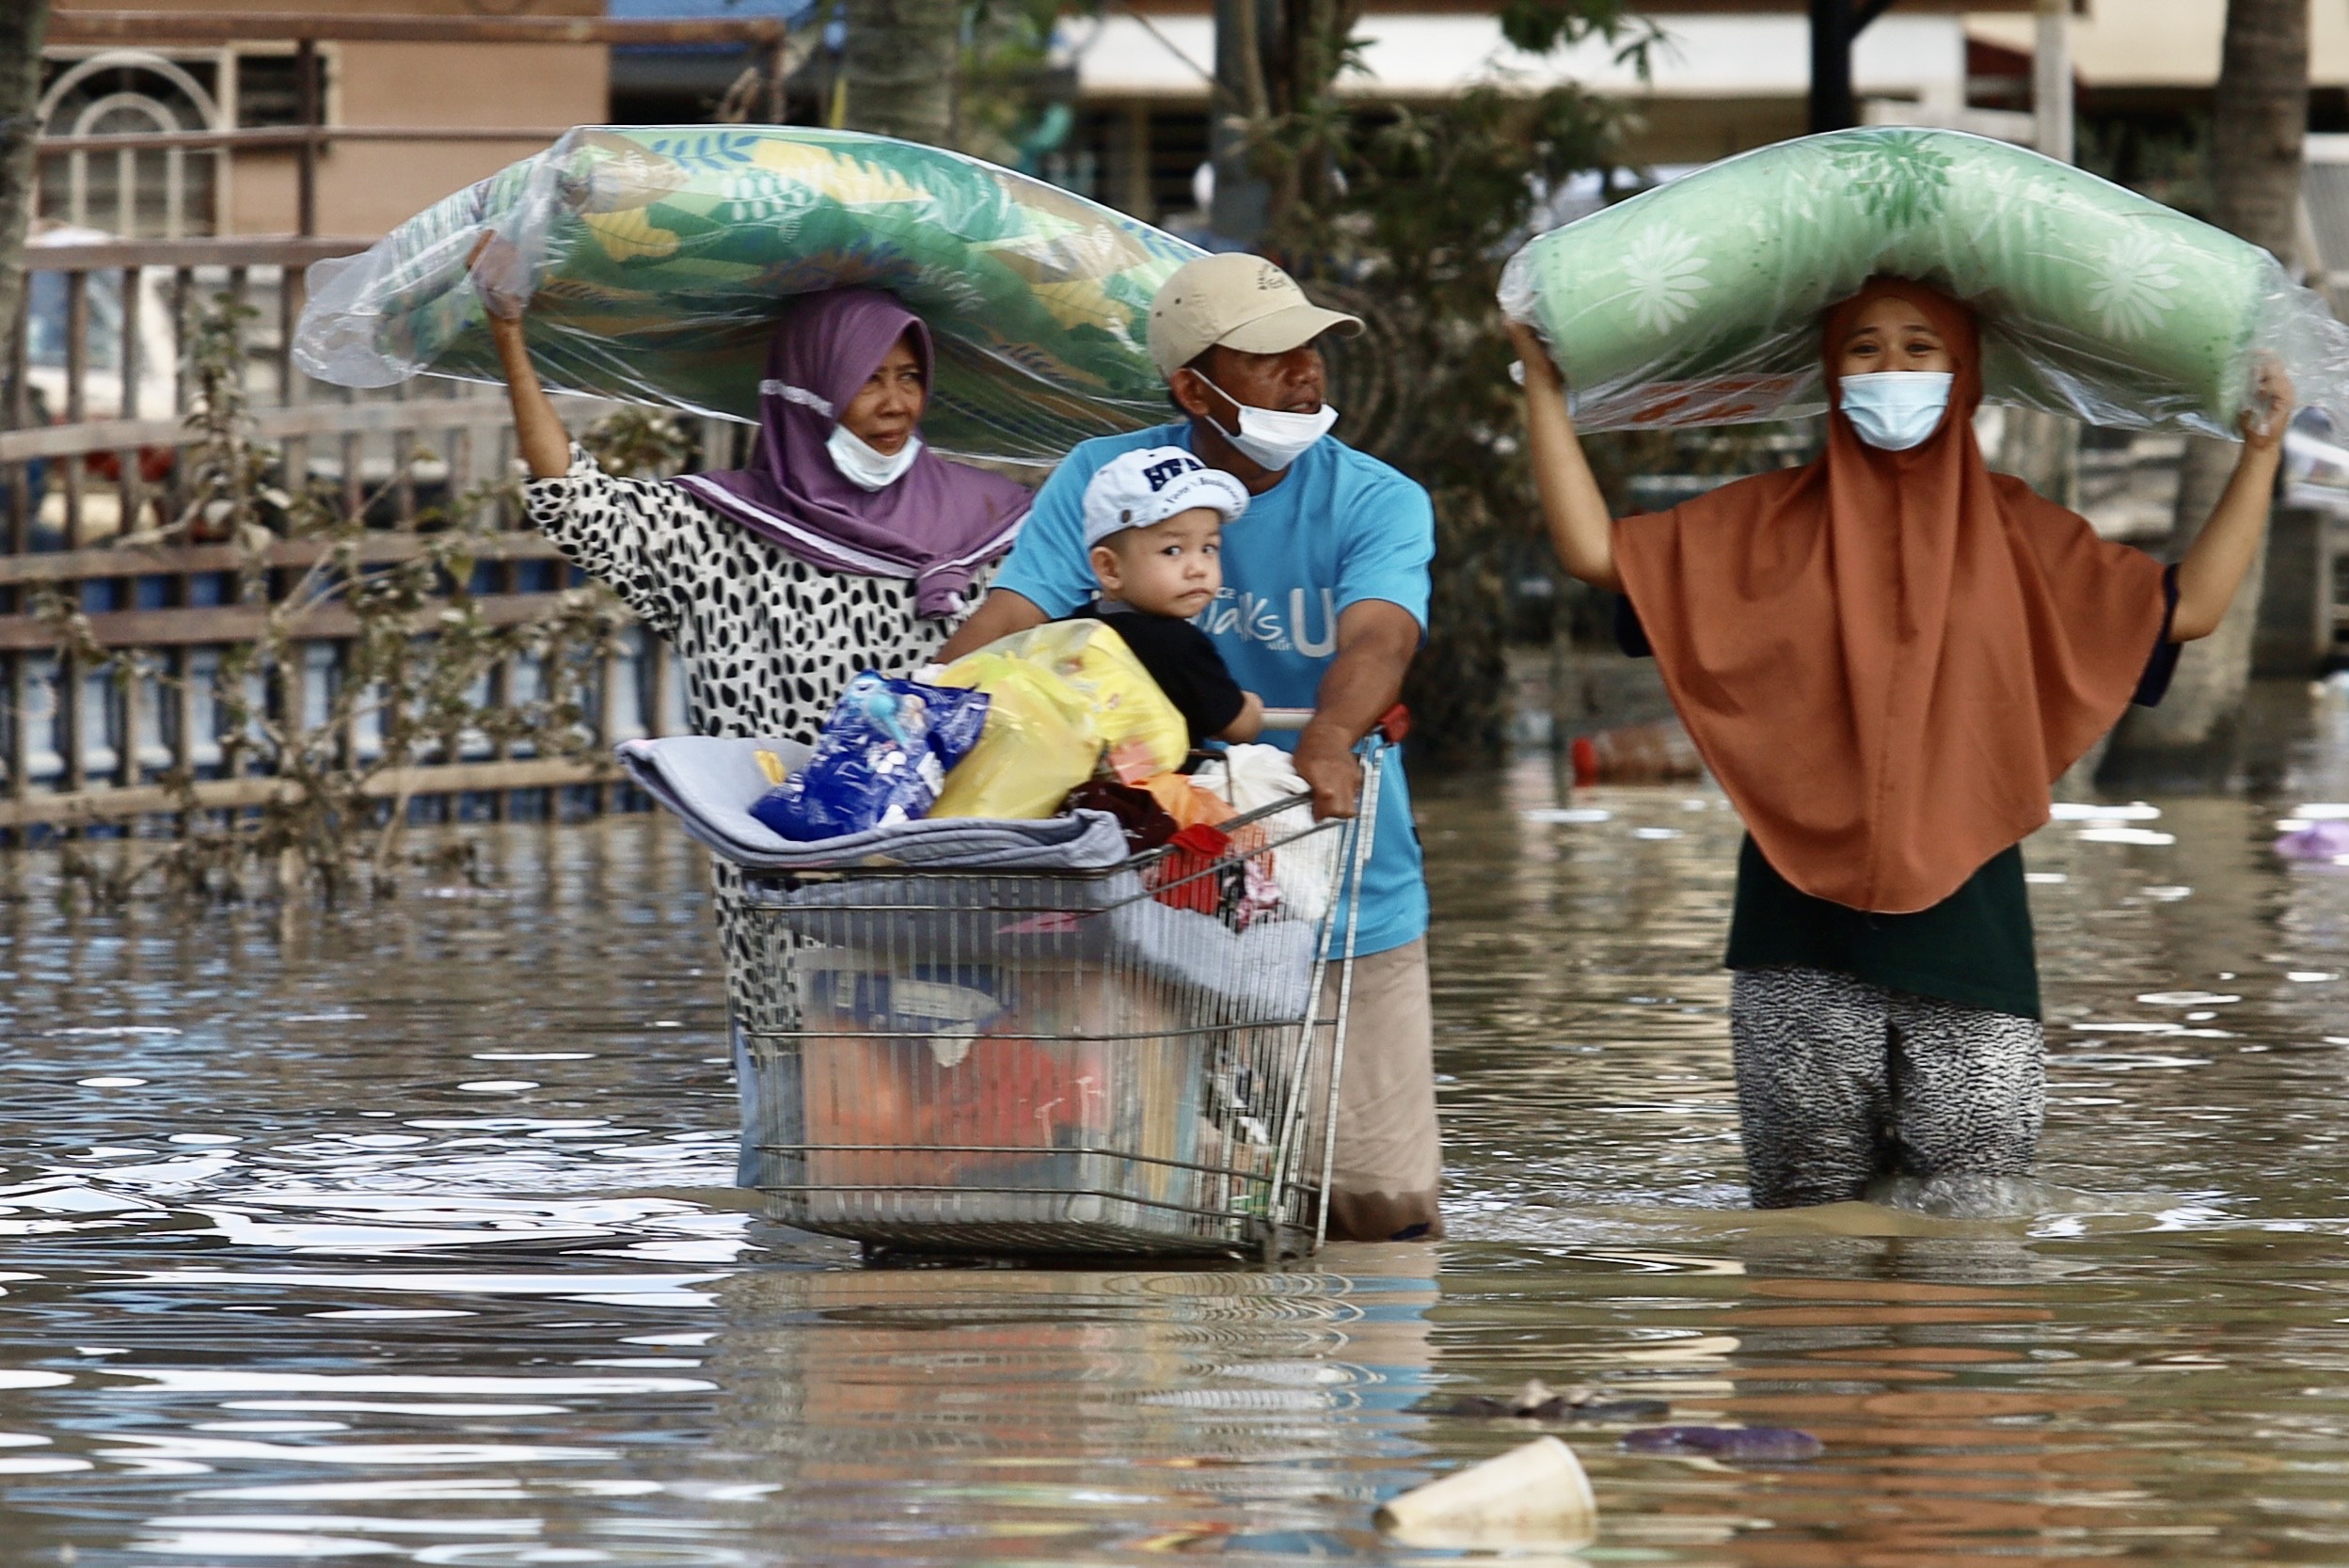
[[1534, 1494]]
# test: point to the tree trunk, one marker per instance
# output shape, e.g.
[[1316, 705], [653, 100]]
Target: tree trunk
[[1240, 107], [902, 61], [24, 23], [2259, 119]]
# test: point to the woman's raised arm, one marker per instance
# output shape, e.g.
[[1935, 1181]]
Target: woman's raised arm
[[2221, 553], [538, 432], [1581, 529]]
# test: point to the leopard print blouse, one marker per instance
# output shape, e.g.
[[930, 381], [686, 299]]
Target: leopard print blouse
[[767, 641]]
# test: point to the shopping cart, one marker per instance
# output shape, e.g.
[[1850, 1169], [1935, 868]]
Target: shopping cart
[[1136, 1059]]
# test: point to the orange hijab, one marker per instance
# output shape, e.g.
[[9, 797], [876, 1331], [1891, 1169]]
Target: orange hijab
[[1887, 656]]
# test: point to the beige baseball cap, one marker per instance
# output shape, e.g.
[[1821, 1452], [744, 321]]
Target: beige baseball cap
[[1238, 301]]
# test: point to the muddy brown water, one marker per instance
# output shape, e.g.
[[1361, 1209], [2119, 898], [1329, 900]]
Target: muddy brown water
[[404, 1238]]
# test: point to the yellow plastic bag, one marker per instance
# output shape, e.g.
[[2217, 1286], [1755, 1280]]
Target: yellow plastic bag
[[1060, 695]]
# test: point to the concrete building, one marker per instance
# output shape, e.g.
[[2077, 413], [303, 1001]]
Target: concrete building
[[120, 86], [1729, 76], [2156, 56]]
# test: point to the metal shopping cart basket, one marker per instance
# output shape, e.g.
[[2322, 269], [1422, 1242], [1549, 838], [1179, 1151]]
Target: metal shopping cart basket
[[1136, 1059]]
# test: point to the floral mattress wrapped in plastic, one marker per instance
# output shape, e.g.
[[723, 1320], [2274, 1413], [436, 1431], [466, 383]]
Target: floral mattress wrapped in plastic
[[659, 258], [1699, 302]]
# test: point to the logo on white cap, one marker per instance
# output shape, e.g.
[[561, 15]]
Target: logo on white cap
[[1144, 487]]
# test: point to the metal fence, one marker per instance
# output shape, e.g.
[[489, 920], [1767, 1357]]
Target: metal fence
[[93, 453]]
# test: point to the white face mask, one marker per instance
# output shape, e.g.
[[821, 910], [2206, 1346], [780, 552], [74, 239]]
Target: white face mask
[[865, 467], [1895, 410], [1271, 438]]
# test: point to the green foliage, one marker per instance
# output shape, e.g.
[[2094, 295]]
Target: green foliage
[[1010, 106], [635, 441], [1539, 26], [423, 666], [2167, 157], [1432, 202]]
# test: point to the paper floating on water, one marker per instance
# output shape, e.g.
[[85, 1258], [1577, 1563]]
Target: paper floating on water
[[1532, 1495]]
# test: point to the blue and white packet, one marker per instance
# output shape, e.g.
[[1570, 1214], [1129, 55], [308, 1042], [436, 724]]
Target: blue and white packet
[[882, 759]]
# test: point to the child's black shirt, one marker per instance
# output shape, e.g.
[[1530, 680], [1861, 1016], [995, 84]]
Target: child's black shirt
[[1182, 660]]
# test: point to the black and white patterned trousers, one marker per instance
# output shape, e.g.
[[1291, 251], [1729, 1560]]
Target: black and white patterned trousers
[[1841, 1082]]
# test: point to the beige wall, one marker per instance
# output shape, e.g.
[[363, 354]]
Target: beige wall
[[364, 187], [2166, 43]]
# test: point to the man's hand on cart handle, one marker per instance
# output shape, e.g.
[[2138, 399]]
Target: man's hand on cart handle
[[1338, 804], [1377, 641], [1336, 779], [1325, 761]]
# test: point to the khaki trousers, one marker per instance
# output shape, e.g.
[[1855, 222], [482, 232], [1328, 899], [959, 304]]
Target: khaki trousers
[[1387, 1171]]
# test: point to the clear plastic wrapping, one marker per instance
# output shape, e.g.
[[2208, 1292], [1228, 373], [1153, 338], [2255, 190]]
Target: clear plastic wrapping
[[656, 259], [1699, 302]]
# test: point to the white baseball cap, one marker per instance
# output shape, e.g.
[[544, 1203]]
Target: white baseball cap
[[1136, 489], [1237, 301]]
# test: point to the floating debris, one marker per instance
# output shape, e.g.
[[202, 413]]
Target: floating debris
[[1538, 1402], [2092, 811], [1746, 1443], [1537, 1492], [2315, 841], [2126, 836]]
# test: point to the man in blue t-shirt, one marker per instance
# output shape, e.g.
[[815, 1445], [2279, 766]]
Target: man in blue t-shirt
[[1323, 605]]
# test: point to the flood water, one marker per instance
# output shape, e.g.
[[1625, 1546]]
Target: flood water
[[404, 1237]]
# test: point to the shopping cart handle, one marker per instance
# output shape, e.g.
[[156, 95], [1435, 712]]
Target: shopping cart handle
[[1394, 723]]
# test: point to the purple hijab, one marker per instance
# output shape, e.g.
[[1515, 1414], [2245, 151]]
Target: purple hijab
[[937, 525]]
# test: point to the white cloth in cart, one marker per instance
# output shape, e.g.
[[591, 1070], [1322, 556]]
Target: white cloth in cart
[[1305, 868], [711, 782]]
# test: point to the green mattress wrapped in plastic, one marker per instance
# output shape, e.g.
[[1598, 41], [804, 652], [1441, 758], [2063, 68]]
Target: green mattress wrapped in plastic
[[661, 256], [1699, 302]]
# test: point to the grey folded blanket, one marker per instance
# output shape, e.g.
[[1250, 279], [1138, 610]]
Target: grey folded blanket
[[711, 782]]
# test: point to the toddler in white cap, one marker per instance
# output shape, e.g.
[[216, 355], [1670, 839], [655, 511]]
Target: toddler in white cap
[[1153, 528]]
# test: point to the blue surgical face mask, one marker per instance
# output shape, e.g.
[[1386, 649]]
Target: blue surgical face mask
[[1895, 410]]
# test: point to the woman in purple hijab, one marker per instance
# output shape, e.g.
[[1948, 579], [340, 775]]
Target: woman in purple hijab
[[841, 477], [845, 546]]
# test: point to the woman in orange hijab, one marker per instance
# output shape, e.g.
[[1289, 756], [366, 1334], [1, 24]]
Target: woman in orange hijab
[[1886, 656]]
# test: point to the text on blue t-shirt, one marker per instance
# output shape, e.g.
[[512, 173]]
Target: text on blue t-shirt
[[1339, 529]]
